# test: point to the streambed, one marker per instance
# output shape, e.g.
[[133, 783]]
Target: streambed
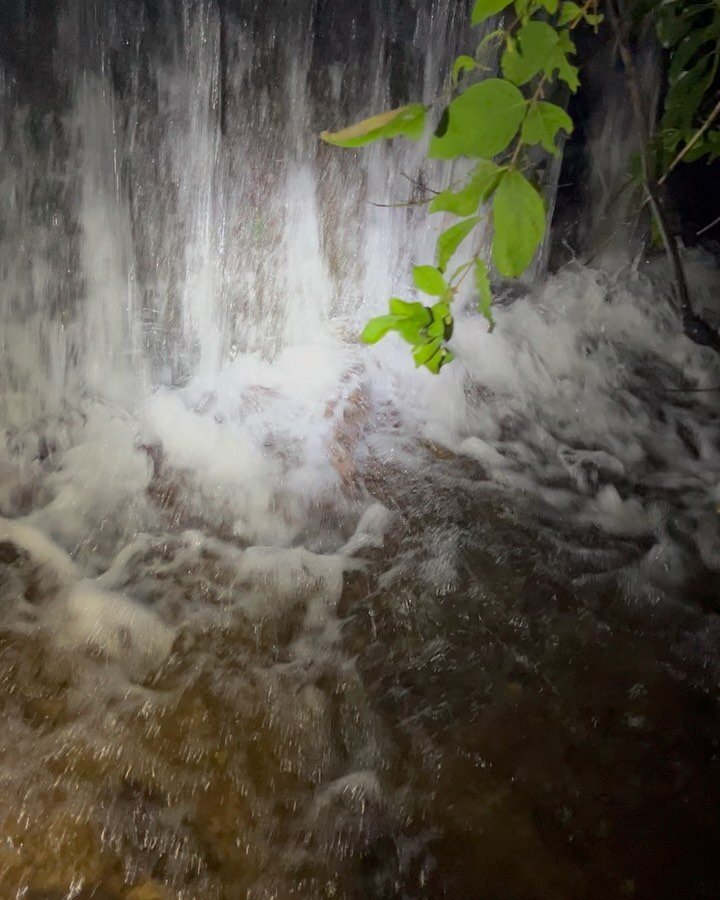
[[482, 667]]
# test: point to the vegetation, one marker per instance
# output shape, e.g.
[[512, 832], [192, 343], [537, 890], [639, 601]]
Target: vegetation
[[504, 123], [691, 32]]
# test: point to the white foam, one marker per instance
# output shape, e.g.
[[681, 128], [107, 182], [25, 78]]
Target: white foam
[[482, 451], [40, 548], [111, 624], [371, 530], [617, 516]]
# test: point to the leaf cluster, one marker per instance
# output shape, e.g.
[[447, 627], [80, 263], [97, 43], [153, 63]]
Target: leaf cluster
[[690, 30], [494, 122]]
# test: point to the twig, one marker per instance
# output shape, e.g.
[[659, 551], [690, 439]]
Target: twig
[[580, 16], [457, 286], [518, 146], [708, 227], [693, 140], [418, 184], [421, 202]]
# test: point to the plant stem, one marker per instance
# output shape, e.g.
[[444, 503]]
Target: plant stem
[[590, 4], [534, 99], [708, 227], [456, 287], [693, 140], [422, 202]]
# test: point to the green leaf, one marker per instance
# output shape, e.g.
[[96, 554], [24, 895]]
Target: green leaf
[[424, 352], [569, 12], [442, 317], [550, 5], [684, 52], [481, 122], [482, 183], [539, 48], [415, 311], [697, 151], [450, 240], [496, 35], [482, 284], [429, 280], [483, 9], [408, 121], [462, 64], [412, 331], [410, 320], [414, 320], [713, 141], [559, 60], [531, 53], [565, 42], [460, 269], [378, 327], [519, 217], [685, 97], [676, 21], [542, 124], [669, 139], [436, 330], [441, 358], [568, 73]]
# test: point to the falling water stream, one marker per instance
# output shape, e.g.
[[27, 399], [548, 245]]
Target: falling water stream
[[281, 616]]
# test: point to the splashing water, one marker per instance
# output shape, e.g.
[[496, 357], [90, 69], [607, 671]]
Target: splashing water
[[280, 615]]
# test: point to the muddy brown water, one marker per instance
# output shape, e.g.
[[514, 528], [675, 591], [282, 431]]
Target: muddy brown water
[[500, 712]]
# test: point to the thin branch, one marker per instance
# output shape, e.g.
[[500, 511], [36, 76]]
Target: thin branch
[[590, 4], [456, 287], [708, 227], [423, 200], [420, 202], [693, 140], [418, 184], [520, 143]]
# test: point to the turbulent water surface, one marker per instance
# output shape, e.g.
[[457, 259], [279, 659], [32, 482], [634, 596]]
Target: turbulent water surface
[[279, 615]]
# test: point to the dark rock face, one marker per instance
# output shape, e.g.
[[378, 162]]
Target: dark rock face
[[692, 197]]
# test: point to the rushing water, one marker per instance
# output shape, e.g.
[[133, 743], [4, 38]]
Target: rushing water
[[279, 615]]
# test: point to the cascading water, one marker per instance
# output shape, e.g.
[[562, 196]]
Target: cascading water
[[280, 616], [194, 189]]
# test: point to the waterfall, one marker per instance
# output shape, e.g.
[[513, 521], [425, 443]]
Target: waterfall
[[172, 207], [280, 614]]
